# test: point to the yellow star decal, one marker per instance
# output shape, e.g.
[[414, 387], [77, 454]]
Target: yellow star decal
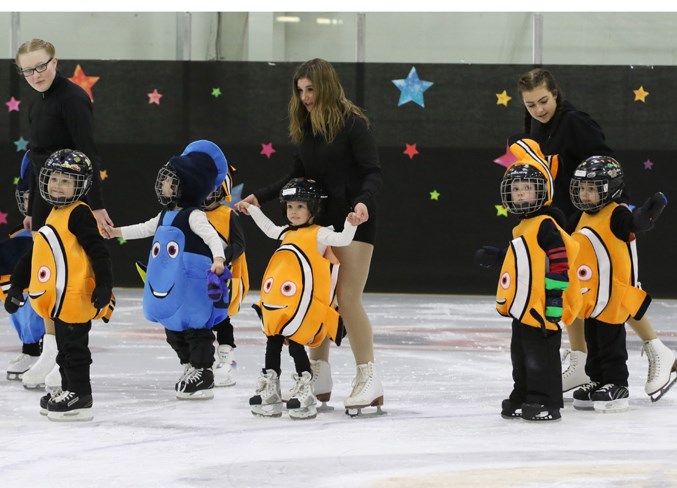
[[503, 98], [434, 195], [501, 211], [121, 241], [103, 174], [16, 180], [641, 94]]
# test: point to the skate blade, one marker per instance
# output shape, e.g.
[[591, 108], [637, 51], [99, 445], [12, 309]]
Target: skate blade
[[657, 395], [80, 415], [267, 411], [34, 386], [614, 406], [358, 413], [583, 405], [303, 413], [224, 384], [14, 376], [325, 408], [198, 395]]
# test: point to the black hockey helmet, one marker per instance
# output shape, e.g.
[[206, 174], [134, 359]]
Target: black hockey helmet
[[605, 173], [303, 190], [518, 178], [74, 164]]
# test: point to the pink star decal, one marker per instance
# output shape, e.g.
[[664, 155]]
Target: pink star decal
[[267, 149], [411, 150], [3, 217], [507, 159], [13, 105], [648, 164], [154, 97]]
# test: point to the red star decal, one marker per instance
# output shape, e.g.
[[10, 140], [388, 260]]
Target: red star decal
[[83, 81], [410, 151]]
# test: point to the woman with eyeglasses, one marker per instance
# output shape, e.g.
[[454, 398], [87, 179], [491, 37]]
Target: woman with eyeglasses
[[60, 118]]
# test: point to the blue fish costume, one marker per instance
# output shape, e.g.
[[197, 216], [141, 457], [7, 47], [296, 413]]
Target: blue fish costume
[[175, 290]]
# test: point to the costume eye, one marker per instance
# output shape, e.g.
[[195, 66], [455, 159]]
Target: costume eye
[[172, 249], [505, 281], [155, 250], [44, 273], [267, 285], [288, 288], [584, 273]]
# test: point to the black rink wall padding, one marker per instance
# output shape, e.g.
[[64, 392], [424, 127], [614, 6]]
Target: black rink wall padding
[[424, 245]]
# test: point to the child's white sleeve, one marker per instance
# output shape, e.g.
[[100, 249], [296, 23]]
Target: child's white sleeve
[[200, 225], [264, 223], [139, 231], [328, 237]]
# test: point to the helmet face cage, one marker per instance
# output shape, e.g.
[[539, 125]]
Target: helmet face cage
[[519, 181], [168, 180], [302, 190], [214, 197], [65, 163], [22, 200], [601, 173]]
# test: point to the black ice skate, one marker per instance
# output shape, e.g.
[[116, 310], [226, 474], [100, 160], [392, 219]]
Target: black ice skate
[[534, 412], [582, 399], [44, 400], [610, 398], [198, 384], [69, 406], [510, 410]]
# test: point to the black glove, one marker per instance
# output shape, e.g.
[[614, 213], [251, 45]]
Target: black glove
[[553, 308], [489, 256], [101, 296], [645, 216], [14, 300]]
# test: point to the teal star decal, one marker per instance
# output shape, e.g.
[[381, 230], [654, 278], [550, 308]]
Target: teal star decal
[[21, 144], [412, 88]]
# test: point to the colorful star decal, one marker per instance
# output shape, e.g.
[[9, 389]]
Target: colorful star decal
[[410, 151], [267, 149], [103, 175], [501, 211], [83, 81], [507, 159], [434, 195], [121, 241], [3, 217], [216, 92], [13, 105], [154, 97], [21, 144], [648, 164], [412, 88], [235, 195], [15, 180], [503, 98], [641, 94]]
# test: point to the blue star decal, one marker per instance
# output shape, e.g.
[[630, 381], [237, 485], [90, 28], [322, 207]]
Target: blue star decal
[[235, 195], [412, 88], [21, 144]]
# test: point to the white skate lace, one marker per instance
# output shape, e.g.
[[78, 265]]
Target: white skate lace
[[193, 376], [360, 382], [63, 396], [654, 365]]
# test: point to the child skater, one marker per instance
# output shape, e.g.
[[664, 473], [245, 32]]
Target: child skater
[[29, 326], [184, 244], [69, 277], [296, 296], [227, 224], [535, 274], [607, 269]]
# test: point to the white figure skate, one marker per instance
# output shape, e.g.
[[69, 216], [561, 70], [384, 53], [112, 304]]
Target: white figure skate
[[662, 365], [303, 403], [574, 375], [226, 366], [18, 366], [35, 377], [321, 384], [367, 391], [267, 402], [53, 380]]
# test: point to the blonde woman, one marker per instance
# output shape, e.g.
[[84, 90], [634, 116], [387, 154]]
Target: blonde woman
[[335, 146]]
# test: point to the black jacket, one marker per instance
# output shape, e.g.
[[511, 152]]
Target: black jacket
[[62, 118]]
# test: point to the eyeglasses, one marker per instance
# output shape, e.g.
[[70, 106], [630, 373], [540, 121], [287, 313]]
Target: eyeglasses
[[29, 71]]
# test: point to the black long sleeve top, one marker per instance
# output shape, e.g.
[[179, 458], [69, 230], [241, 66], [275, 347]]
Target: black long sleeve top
[[62, 118], [84, 227], [348, 168], [574, 136]]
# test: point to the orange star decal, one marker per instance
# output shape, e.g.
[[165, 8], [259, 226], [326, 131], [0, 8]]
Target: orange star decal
[[103, 174], [641, 94], [83, 81]]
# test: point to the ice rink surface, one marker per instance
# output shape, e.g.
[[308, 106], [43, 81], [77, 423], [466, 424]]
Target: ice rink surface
[[445, 365]]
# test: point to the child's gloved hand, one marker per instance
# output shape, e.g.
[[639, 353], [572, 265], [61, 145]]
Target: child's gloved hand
[[217, 285], [553, 309], [489, 256], [15, 299], [101, 296], [645, 216]]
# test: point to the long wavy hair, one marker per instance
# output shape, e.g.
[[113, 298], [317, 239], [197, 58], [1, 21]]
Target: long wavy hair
[[330, 106], [533, 79]]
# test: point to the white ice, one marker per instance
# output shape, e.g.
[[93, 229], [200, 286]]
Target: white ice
[[445, 365]]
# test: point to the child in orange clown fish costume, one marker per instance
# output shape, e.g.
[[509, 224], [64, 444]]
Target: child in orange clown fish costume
[[296, 296], [537, 287], [228, 226], [607, 268], [69, 277]]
